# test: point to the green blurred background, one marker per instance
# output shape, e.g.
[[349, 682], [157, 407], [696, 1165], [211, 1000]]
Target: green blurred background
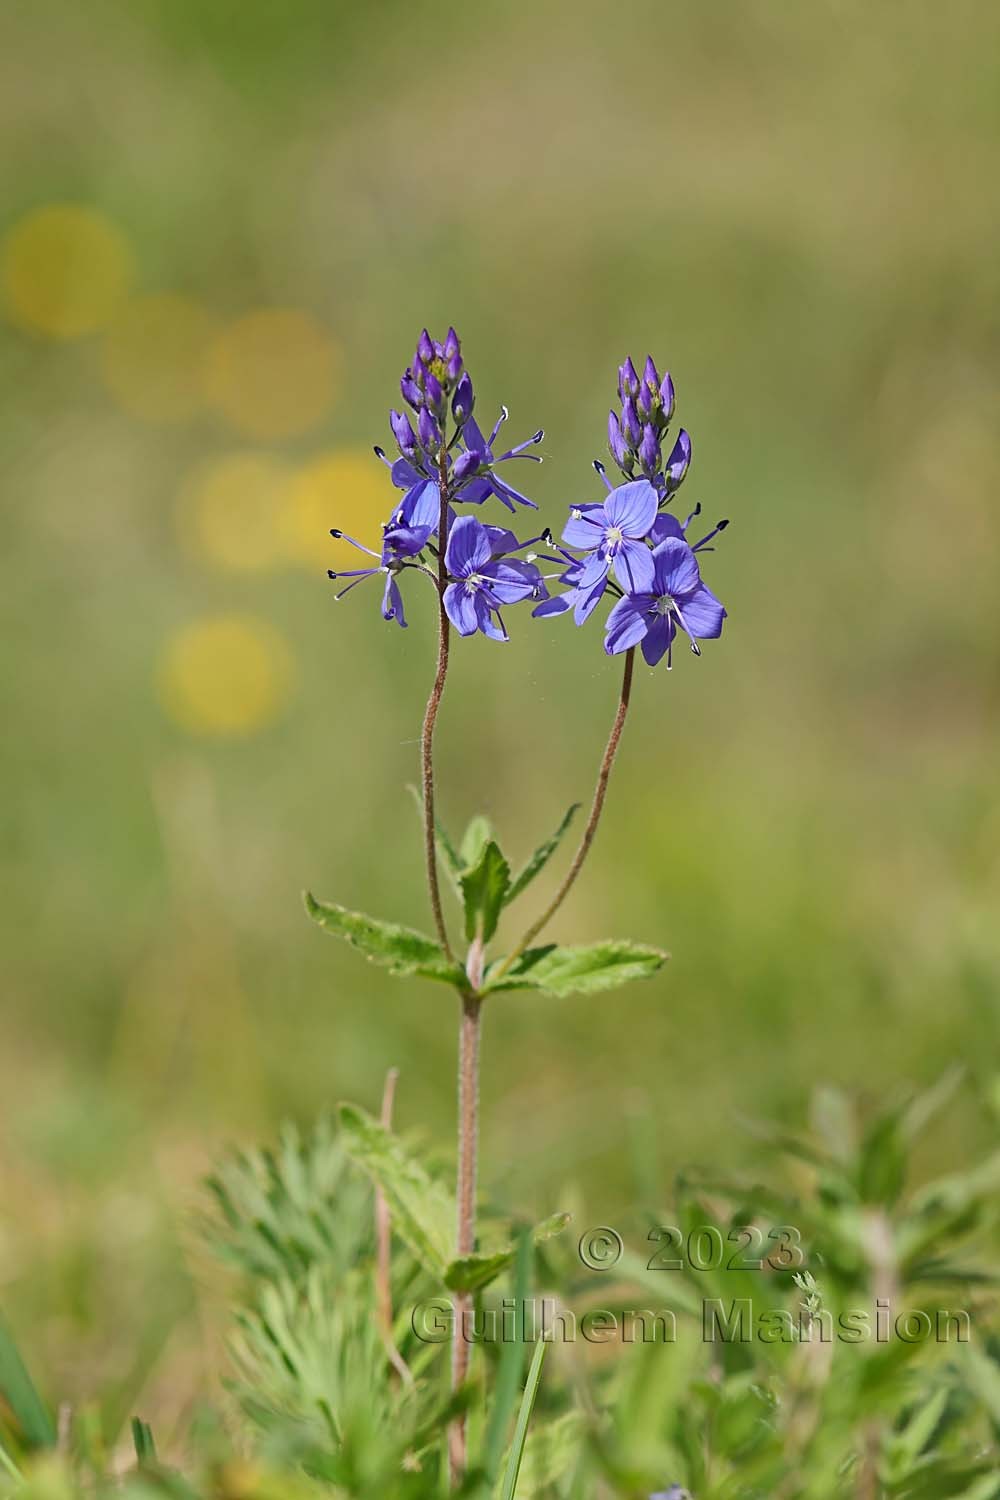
[[223, 227]]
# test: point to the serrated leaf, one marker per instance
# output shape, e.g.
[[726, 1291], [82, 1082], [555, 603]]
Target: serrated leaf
[[401, 950], [421, 1208], [484, 891], [474, 839], [471, 1273], [536, 864], [582, 971]]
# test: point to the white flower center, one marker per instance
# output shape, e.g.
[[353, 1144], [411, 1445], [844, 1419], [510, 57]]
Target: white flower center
[[664, 605]]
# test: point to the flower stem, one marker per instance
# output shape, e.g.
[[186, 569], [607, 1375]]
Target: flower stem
[[430, 718], [597, 806], [465, 1237]]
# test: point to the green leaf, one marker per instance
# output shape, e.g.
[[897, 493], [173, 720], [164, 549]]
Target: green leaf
[[398, 949], [581, 971], [143, 1442], [484, 891], [17, 1389], [536, 864], [509, 1484], [509, 1369], [475, 837], [446, 849], [471, 1273], [422, 1210]]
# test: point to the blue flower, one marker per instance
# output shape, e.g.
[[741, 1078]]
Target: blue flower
[[483, 481], [484, 576], [400, 545], [676, 599]]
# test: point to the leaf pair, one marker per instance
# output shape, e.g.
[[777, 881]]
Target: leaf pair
[[481, 873]]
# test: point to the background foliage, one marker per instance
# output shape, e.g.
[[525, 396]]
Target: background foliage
[[223, 226]]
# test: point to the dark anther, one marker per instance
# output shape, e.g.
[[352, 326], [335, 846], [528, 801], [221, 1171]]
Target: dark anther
[[722, 525], [330, 573], [335, 533]]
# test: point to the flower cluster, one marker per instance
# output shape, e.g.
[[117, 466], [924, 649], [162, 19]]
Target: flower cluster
[[636, 434], [630, 544], [445, 460]]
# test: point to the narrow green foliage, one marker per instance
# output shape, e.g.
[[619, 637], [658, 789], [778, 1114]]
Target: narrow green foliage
[[581, 971], [401, 950], [34, 1425], [422, 1209], [536, 864], [450, 857], [508, 1376], [142, 1441], [516, 1453], [485, 886]]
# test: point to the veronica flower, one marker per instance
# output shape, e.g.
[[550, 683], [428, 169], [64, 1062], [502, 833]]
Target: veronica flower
[[484, 577], [400, 544], [615, 533], [676, 599], [484, 481]]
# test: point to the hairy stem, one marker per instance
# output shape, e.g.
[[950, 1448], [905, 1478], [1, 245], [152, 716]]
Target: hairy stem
[[597, 806], [430, 717], [465, 1237]]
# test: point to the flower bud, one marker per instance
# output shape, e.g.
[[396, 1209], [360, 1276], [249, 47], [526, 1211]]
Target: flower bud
[[667, 398], [411, 391], [403, 433], [631, 426], [463, 400], [677, 463], [428, 431], [646, 402], [628, 380], [466, 464], [451, 345], [649, 451], [650, 375], [425, 348], [454, 368], [434, 392], [617, 445]]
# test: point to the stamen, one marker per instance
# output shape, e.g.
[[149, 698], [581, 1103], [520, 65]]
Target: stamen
[[709, 535]]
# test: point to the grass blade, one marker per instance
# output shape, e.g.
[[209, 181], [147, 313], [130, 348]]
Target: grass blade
[[523, 1418], [34, 1423], [509, 1369]]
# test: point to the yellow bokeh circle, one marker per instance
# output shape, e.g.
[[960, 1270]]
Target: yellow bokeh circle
[[348, 489], [66, 270], [227, 676], [154, 356], [230, 512], [272, 374]]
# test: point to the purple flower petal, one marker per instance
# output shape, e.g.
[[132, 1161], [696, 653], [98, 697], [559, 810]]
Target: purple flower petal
[[510, 581], [627, 623], [702, 613], [676, 568], [632, 507], [666, 525], [486, 623], [657, 638], [558, 605], [634, 567], [468, 547], [392, 602], [460, 607], [421, 505], [404, 475], [585, 526], [588, 598]]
